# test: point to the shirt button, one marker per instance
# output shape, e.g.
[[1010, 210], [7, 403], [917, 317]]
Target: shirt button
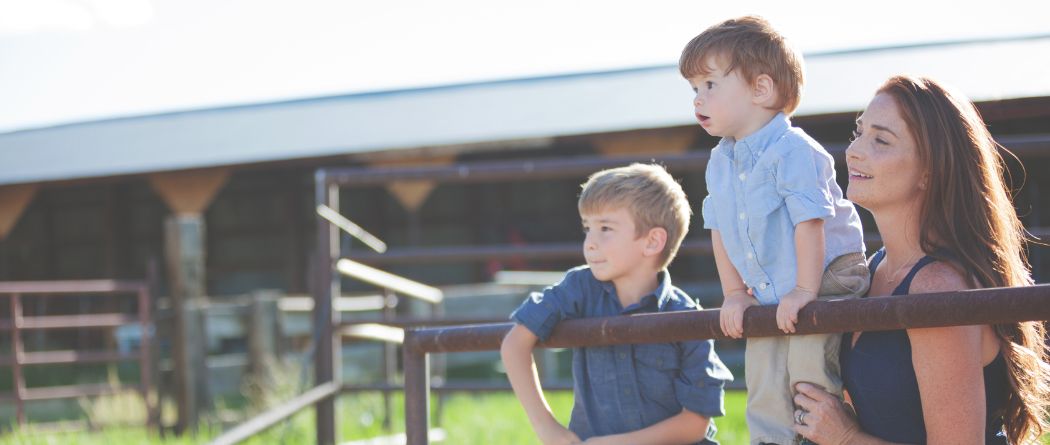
[[743, 176], [626, 392], [763, 286], [750, 255], [743, 215], [623, 356]]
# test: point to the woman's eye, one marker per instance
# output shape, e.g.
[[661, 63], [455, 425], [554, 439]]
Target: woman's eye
[[855, 136], [709, 84]]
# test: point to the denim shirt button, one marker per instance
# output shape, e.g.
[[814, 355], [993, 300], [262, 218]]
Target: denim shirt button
[[743, 215], [622, 356], [763, 286]]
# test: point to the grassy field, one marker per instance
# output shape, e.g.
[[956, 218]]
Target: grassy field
[[466, 419]]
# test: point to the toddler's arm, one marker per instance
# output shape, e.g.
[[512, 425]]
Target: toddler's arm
[[516, 352], [809, 254], [736, 299]]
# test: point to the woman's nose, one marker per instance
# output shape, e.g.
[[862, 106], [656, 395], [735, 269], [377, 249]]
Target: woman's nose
[[853, 150]]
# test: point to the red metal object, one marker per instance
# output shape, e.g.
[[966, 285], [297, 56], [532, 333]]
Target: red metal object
[[16, 290]]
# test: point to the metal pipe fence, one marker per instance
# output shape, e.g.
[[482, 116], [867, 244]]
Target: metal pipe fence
[[972, 307], [19, 322]]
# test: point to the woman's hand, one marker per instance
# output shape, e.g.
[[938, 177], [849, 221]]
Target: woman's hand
[[824, 418]]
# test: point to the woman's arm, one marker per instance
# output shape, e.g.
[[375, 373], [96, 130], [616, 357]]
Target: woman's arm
[[948, 366], [949, 369]]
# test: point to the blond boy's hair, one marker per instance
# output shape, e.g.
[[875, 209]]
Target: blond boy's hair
[[649, 194], [751, 45]]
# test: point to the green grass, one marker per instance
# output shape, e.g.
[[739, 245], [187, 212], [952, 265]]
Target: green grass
[[491, 418], [467, 419]]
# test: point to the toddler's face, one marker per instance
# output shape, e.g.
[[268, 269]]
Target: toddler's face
[[722, 101]]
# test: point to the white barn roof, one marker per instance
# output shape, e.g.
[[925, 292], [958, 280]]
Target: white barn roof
[[485, 112]]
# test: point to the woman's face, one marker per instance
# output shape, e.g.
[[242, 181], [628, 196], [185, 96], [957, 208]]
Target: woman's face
[[882, 159]]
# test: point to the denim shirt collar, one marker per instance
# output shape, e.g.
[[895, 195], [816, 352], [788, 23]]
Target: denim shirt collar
[[661, 295], [756, 143]]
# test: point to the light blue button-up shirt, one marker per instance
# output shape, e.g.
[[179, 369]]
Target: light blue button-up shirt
[[623, 388], [760, 188]]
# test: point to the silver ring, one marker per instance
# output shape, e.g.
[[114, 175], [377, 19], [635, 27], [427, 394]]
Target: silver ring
[[800, 418]]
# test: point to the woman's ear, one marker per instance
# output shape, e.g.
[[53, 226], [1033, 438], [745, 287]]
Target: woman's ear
[[655, 241], [763, 90]]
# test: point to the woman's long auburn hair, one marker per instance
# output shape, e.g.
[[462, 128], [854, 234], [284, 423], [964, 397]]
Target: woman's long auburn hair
[[968, 220]]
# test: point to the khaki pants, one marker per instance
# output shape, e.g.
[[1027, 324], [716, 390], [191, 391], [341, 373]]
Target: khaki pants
[[774, 364]]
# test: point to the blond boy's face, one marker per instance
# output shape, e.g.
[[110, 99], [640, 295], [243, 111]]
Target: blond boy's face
[[723, 103], [611, 247]]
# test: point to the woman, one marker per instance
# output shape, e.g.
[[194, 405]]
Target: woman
[[924, 164]]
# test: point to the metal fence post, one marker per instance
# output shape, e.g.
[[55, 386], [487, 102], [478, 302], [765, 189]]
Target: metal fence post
[[327, 362], [417, 392]]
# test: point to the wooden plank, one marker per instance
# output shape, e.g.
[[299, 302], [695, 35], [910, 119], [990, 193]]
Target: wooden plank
[[70, 286], [386, 280], [363, 303], [375, 331], [55, 357], [77, 321], [74, 391]]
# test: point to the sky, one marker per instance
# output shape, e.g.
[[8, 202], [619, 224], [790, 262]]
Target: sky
[[65, 61]]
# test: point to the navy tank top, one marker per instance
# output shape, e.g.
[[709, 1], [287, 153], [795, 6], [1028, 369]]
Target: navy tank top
[[879, 376]]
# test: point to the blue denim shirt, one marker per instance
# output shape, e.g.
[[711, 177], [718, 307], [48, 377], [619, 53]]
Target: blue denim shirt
[[759, 188], [623, 388]]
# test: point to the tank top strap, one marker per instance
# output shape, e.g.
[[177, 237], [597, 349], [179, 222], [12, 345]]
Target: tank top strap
[[905, 285], [875, 260]]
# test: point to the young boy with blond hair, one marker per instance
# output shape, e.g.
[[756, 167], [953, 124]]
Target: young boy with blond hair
[[634, 219], [781, 231]]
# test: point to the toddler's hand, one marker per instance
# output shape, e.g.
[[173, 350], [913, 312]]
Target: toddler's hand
[[790, 304], [731, 317]]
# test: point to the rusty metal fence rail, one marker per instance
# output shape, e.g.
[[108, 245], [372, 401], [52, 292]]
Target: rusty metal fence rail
[[18, 323], [984, 306]]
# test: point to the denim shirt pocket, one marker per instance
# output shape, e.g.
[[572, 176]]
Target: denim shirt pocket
[[657, 366]]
